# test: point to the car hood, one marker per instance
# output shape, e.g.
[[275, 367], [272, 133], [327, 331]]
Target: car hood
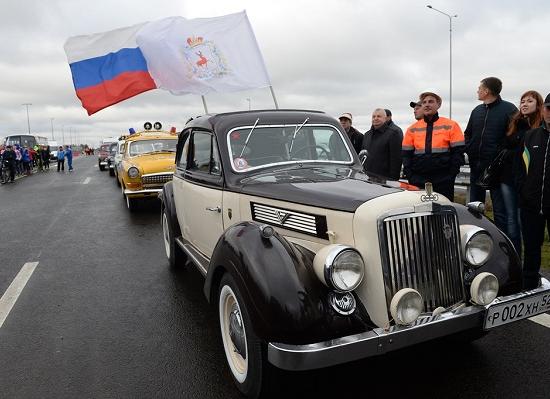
[[155, 163], [343, 189]]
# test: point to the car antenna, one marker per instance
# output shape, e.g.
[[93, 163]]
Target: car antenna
[[248, 137]]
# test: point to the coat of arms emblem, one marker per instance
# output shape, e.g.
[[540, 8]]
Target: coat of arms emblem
[[205, 59]]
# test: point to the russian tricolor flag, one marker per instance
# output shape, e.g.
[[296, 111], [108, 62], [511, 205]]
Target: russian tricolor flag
[[107, 67]]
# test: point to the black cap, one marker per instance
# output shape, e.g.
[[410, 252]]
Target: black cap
[[547, 101], [388, 112], [413, 104]]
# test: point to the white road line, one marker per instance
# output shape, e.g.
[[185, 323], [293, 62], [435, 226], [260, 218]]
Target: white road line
[[543, 319], [14, 290], [86, 180]]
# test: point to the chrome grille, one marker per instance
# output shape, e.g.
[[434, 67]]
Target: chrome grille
[[422, 251], [302, 222], [156, 179]]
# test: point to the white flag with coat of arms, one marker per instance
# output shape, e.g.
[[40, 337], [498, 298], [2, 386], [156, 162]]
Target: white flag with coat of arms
[[202, 55]]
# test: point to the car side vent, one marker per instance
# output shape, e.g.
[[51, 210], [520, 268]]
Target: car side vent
[[313, 225]]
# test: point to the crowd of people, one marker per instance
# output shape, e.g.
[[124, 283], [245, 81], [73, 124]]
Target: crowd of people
[[16, 160], [507, 144]]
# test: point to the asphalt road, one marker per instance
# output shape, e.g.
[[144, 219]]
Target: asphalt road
[[103, 316]]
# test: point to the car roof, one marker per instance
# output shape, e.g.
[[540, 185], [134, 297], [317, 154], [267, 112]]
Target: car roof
[[223, 122]]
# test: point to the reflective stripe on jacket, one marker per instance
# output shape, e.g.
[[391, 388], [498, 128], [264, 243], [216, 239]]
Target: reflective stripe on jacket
[[433, 148]]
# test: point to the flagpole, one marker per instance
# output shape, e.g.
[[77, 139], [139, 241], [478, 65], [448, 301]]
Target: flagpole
[[204, 104], [274, 99]]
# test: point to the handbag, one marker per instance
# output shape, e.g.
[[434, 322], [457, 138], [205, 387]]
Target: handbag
[[490, 177]]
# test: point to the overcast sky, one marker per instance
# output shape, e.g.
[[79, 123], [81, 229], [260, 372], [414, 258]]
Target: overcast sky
[[335, 56]]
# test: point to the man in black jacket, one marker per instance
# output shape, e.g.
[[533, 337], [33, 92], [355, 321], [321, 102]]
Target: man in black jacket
[[383, 144], [354, 135], [534, 196], [484, 137], [9, 157]]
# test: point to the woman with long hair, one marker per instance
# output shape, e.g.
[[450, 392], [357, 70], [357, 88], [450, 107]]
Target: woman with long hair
[[528, 117]]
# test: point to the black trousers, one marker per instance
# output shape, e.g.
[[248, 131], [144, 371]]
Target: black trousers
[[60, 164], [532, 229]]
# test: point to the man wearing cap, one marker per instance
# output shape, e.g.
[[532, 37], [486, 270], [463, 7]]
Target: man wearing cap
[[354, 135], [417, 109], [485, 135], [391, 123], [534, 196], [433, 149]]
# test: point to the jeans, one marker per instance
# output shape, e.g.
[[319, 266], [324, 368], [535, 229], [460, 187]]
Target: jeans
[[532, 224], [477, 193], [513, 226]]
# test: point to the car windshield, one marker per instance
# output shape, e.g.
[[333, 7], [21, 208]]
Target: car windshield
[[261, 146], [139, 147]]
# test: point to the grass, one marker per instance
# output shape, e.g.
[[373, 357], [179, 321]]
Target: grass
[[545, 261]]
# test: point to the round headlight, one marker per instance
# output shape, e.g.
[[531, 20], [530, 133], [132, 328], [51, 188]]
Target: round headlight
[[344, 268], [477, 245], [484, 288], [479, 248], [133, 172], [406, 305]]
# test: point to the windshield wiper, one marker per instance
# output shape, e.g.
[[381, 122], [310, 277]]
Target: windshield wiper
[[248, 137], [295, 133]]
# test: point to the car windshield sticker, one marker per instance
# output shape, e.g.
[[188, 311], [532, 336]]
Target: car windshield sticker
[[240, 163]]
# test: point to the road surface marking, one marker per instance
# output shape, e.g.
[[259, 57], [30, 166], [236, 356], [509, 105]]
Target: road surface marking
[[14, 290], [86, 181], [543, 319]]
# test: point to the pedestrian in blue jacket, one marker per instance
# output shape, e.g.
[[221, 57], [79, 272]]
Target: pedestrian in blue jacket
[[60, 159], [69, 156]]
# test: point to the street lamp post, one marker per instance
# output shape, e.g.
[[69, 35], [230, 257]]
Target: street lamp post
[[51, 120], [450, 56], [28, 120]]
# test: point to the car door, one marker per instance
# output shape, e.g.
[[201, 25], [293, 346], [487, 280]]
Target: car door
[[198, 189]]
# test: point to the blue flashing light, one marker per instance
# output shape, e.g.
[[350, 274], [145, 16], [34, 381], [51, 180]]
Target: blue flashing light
[[131, 130]]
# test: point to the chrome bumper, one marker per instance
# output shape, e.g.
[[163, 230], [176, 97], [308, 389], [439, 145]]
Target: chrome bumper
[[142, 192], [379, 340]]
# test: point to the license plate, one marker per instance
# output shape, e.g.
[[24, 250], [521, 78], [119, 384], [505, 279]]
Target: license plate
[[507, 312]]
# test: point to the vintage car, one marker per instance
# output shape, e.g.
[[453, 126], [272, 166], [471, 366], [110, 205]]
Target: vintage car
[[313, 263], [111, 158], [147, 163], [102, 156]]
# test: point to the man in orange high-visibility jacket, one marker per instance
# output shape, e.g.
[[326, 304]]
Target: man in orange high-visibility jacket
[[433, 149]]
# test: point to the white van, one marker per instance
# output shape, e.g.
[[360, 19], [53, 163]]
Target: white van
[[53, 149]]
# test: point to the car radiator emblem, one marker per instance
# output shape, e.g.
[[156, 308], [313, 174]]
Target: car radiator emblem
[[447, 231]]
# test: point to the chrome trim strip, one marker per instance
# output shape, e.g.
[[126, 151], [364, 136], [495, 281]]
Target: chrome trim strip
[[151, 190], [200, 261], [379, 340], [158, 174], [284, 218]]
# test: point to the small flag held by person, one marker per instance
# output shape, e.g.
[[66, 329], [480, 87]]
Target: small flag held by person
[[183, 56]]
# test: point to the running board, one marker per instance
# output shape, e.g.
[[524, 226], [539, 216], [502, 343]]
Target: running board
[[200, 261]]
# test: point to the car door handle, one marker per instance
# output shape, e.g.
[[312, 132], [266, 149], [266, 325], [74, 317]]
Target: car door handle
[[214, 209]]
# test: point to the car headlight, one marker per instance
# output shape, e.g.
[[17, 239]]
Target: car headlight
[[484, 288], [477, 245], [340, 267], [133, 172], [406, 305]]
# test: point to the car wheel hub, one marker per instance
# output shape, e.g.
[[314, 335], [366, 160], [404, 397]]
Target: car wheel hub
[[236, 331]]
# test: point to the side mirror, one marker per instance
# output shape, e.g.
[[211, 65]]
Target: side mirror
[[363, 155]]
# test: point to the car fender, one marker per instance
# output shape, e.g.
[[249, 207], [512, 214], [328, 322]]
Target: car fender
[[285, 300], [505, 263], [166, 197]]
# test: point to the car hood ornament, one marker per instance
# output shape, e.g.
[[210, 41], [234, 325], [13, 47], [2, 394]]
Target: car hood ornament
[[429, 196]]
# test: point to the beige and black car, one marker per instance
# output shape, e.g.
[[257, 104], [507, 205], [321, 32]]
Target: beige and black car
[[312, 263]]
